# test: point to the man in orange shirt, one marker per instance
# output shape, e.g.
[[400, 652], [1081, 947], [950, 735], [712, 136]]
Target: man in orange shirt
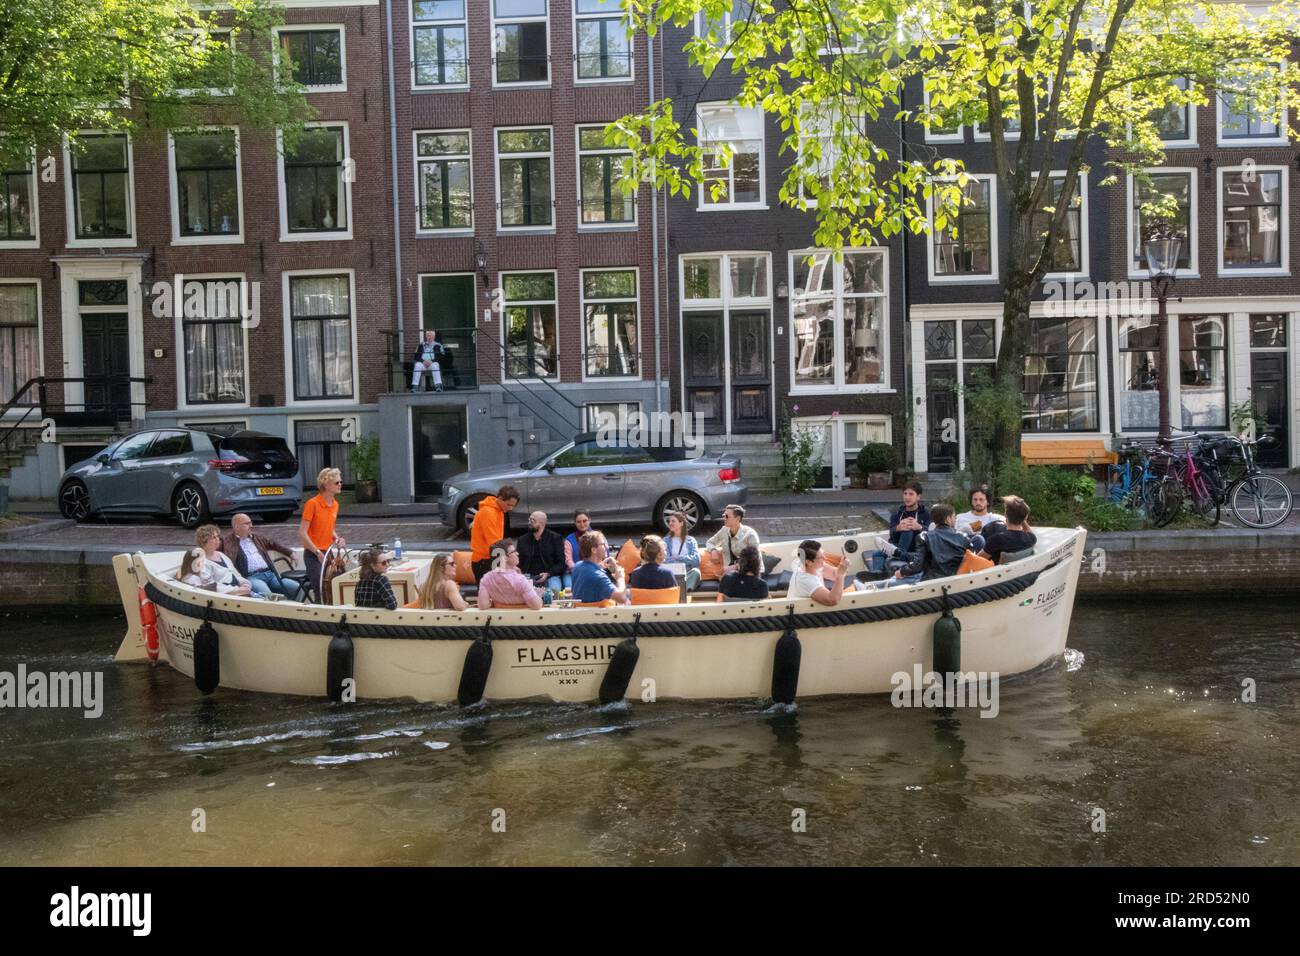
[[489, 527], [316, 532]]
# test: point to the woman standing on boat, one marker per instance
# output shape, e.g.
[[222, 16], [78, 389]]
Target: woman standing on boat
[[439, 592], [319, 516], [682, 549]]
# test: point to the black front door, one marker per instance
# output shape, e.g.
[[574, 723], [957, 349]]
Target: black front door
[[705, 355], [941, 408], [106, 363], [449, 310], [1268, 392], [751, 373], [438, 442]]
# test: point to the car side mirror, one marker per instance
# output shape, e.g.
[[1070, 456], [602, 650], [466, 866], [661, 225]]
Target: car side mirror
[[550, 466], [102, 459]]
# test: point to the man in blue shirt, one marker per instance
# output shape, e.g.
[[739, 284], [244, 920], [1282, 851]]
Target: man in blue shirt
[[595, 577], [911, 518]]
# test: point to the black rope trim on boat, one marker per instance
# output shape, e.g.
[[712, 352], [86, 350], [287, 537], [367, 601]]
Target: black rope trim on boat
[[608, 630]]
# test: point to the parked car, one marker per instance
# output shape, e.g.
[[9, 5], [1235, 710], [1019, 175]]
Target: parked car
[[189, 474], [616, 483]]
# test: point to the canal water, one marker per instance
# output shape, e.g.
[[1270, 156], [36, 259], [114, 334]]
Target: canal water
[[1151, 731]]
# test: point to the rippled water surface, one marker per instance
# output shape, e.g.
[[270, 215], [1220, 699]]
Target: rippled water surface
[[1150, 729]]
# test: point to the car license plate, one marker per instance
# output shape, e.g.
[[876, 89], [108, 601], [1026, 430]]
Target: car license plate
[[270, 491]]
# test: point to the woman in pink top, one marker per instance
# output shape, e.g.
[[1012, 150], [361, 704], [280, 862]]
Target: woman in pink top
[[505, 583]]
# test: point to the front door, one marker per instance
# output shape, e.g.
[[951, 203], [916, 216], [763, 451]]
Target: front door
[[439, 448], [751, 373], [705, 373], [941, 412], [106, 358], [1268, 392], [448, 308]]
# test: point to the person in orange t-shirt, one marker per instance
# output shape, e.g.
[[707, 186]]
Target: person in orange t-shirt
[[489, 527], [316, 532]]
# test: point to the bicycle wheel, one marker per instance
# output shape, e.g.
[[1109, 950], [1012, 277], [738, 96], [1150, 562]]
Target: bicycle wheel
[[1161, 499], [1261, 501]]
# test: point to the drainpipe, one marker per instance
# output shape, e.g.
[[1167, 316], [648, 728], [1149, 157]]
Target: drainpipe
[[654, 242], [909, 399], [397, 189]]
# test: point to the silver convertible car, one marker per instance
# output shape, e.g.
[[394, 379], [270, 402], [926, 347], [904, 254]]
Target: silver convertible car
[[616, 483], [188, 474]]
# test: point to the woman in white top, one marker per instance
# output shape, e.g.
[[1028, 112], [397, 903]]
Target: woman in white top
[[219, 572], [681, 548]]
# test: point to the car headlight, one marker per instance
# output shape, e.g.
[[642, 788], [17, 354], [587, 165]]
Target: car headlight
[[450, 491]]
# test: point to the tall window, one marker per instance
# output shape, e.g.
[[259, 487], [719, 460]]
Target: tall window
[[942, 128], [314, 187], [1252, 216], [522, 45], [970, 251], [524, 170], [1173, 121], [215, 76], [604, 46], [1138, 377], [741, 130], [101, 187], [207, 183], [839, 315], [214, 343], [1202, 367], [530, 325], [1178, 185], [818, 127], [609, 306], [320, 444], [1268, 331], [1244, 114], [441, 57], [317, 56], [320, 315], [443, 178], [19, 338], [598, 169], [16, 204], [1060, 380], [1066, 251], [726, 28]]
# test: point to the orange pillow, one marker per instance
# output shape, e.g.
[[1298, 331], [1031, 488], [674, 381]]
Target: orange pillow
[[711, 565], [833, 559], [629, 556], [973, 562], [656, 595], [464, 567], [608, 602]]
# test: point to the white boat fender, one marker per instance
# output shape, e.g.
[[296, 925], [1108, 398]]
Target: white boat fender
[[474, 673], [621, 665], [785, 664], [207, 655], [338, 662], [947, 641]]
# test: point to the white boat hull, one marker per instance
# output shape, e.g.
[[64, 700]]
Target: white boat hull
[[1007, 634]]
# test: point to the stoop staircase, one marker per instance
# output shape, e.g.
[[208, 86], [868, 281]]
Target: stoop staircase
[[19, 447], [533, 430]]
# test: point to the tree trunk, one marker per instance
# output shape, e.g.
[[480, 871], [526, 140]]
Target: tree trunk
[[1017, 294]]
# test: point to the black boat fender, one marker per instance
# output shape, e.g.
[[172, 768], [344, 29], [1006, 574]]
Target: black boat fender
[[785, 664], [207, 655], [947, 641], [621, 665], [339, 662], [474, 673]]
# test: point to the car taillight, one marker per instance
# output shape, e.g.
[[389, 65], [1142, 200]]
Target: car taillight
[[224, 464], [729, 474]]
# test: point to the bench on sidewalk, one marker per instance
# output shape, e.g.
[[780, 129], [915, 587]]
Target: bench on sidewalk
[[1066, 451]]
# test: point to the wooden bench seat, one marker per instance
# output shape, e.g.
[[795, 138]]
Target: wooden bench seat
[[1067, 451]]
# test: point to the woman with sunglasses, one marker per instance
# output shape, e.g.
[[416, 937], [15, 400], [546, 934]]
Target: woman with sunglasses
[[316, 532], [373, 586]]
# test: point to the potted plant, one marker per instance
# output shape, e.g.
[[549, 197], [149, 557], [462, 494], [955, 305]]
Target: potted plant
[[877, 461], [364, 457]]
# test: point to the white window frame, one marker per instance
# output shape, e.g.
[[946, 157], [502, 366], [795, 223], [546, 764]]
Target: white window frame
[[286, 310], [726, 31], [590, 426], [963, 278], [34, 195], [582, 312], [1284, 224], [731, 205], [417, 159], [818, 134], [957, 136], [496, 172], [182, 399], [1083, 229], [40, 330], [70, 197], [1193, 270], [173, 182], [202, 424], [464, 23], [1190, 139], [839, 386], [506, 303], [1236, 142], [340, 87], [282, 188], [211, 90], [615, 12], [833, 439], [506, 21], [628, 226]]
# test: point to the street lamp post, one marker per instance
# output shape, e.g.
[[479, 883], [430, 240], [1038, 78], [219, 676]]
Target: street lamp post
[[1162, 267]]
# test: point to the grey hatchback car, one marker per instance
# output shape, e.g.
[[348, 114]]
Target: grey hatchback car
[[189, 474], [615, 483]]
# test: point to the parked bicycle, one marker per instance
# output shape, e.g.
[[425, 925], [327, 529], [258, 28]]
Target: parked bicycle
[[1143, 481], [1222, 469]]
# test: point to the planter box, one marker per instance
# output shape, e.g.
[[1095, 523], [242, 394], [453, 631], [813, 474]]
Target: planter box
[[879, 480], [366, 492]]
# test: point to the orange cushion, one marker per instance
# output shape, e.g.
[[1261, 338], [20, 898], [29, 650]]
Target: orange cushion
[[833, 559], [464, 567], [629, 556], [656, 595], [711, 565], [973, 562], [510, 607], [608, 602], [413, 604]]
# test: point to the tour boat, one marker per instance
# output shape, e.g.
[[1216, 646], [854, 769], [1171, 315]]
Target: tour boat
[[1013, 618]]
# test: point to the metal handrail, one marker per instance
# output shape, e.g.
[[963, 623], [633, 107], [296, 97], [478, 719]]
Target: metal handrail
[[43, 381]]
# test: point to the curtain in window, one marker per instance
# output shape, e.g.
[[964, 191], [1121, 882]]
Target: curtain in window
[[322, 349], [19, 346]]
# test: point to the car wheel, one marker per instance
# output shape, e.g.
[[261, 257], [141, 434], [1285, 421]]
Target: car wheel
[[190, 505], [683, 501], [74, 501], [275, 517], [468, 510]]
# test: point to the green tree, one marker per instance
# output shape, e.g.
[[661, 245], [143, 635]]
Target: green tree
[[137, 66], [1060, 73]]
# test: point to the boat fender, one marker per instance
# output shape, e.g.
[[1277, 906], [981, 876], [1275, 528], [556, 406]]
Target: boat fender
[[478, 664], [338, 662], [785, 664], [621, 665], [947, 641], [149, 625], [207, 656]]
